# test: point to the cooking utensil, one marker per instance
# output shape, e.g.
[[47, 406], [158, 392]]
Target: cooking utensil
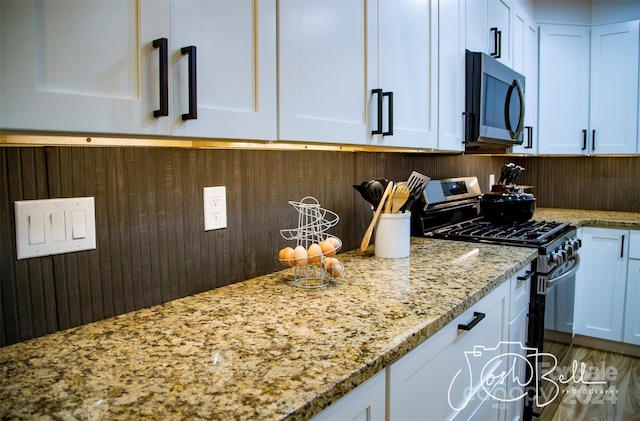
[[367, 235], [400, 195], [372, 190], [508, 206], [419, 183], [387, 206]]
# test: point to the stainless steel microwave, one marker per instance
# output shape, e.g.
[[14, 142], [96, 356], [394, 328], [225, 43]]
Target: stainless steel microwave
[[494, 109]]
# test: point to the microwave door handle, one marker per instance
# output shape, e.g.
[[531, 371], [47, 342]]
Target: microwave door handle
[[520, 128]]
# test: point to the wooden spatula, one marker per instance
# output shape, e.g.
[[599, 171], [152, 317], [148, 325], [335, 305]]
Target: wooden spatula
[[367, 235], [400, 196]]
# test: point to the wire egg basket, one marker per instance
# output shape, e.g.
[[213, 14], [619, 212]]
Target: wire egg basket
[[313, 271]]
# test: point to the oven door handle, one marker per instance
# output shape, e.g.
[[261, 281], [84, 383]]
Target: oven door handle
[[571, 272]]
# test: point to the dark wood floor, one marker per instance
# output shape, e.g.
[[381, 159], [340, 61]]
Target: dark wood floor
[[617, 399]]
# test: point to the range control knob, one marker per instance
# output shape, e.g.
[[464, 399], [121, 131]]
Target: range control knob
[[557, 258], [568, 248]]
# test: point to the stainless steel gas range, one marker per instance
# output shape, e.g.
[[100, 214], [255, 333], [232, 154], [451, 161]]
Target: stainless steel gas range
[[449, 209]]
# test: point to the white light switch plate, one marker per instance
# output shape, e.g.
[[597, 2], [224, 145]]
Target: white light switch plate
[[54, 226], [215, 208]]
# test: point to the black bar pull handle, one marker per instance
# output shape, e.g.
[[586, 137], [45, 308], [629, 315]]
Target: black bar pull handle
[[528, 275], [163, 44], [584, 140], [529, 137], [193, 89], [477, 316], [622, 247], [593, 140], [495, 42], [390, 116], [379, 111]]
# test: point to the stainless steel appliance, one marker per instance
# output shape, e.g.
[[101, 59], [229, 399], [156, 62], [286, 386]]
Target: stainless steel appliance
[[449, 209], [494, 104]]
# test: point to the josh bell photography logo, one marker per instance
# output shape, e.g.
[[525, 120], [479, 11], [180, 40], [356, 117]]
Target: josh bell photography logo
[[584, 383]]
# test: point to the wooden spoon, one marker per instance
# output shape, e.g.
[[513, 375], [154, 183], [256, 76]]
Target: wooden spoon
[[400, 196], [367, 235]]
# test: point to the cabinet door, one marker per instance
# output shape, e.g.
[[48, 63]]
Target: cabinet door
[[477, 26], [632, 309], [517, 342], [407, 67], [366, 403], [451, 75], [82, 66], [323, 89], [499, 17], [600, 283], [525, 61], [235, 68], [614, 88], [564, 89], [442, 377]]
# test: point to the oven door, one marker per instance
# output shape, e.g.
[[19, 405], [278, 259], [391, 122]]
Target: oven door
[[557, 290]]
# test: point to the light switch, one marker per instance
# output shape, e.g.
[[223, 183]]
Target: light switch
[[54, 226], [78, 224], [36, 228], [58, 227]]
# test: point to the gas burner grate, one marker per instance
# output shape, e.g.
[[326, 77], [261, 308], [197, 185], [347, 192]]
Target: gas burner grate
[[520, 233]]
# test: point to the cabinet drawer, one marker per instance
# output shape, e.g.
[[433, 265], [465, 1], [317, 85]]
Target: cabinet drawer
[[634, 244], [520, 292], [365, 402], [452, 360]]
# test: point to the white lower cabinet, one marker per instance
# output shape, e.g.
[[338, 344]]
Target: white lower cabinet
[[518, 320], [443, 377], [456, 374], [365, 402], [600, 283], [632, 309]]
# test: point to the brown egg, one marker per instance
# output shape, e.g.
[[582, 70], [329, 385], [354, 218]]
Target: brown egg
[[301, 256], [328, 248], [315, 253], [334, 241], [333, 267], [289, 256]]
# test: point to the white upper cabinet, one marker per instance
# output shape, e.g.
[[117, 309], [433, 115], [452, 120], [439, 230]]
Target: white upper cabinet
[[589, 89], [451, 75], [99, 67], [407, 68], [525, 61], [477, 25], [564, 89], [614, 88], [81, 66], [499, 21], [235, 50], [488, 27], [322, 59]]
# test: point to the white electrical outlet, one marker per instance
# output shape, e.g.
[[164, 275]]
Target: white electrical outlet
[[215, 208]]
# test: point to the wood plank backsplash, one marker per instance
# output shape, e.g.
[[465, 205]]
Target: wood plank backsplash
[[151, 243]]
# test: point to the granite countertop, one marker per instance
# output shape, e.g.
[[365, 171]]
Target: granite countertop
[[579, 217], [259, 349]]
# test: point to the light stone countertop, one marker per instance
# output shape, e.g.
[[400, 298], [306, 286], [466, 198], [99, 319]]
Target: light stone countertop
[[260, 349], [263, 348], [591, 218]]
